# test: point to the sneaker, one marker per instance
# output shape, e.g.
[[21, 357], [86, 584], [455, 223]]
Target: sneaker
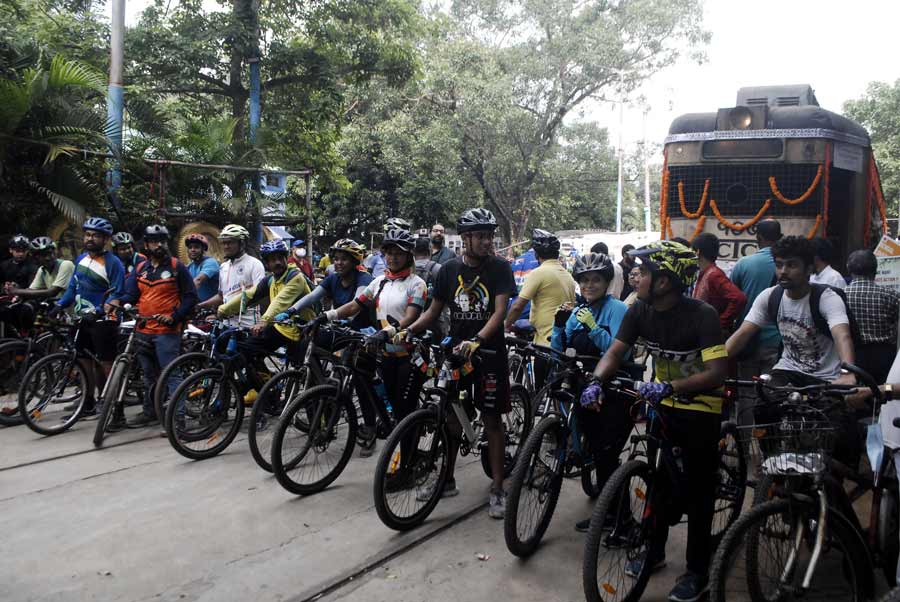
[[141, 420], [633, 567], [88, 413], [497, 504], [118, 424], [450, 490], [9, 411], [582, 526], [366, 440], [689, 588]]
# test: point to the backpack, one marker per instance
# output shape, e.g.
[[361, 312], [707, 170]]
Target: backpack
[[815, 296], [426, 273]]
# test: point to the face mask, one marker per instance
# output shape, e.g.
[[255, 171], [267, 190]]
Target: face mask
[[301, 253]]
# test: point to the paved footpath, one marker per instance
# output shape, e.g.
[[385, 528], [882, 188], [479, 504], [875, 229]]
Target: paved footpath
[[136, 521]]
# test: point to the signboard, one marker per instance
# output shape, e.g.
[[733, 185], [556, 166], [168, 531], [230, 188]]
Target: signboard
[[889, 272], [848, 156], [887, 247]]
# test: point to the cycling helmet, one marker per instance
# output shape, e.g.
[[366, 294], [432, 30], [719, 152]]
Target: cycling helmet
[[19, 241], [398, 238], [122, 238], [544, 242], [396, 223], [98, 224], [476, 219], [197, 238], [595, 262], [351, 247], [234, 231], [669, 257], [273, 246], [42, 243], [156, 232]]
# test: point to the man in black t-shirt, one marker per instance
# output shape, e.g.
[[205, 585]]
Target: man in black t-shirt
[[477, 287], [19, 268]]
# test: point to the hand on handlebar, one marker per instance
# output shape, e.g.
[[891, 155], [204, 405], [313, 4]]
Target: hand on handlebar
[[655, 392], [164, 319], [400, 337], [467, 348], [592, 396]]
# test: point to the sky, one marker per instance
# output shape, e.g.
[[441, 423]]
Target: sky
[[836, 46]]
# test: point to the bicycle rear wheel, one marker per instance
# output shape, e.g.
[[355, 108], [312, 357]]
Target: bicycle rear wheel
[[52, 394], [13, 364], [534, 487], [619, 533], [314, 440], [516, 426], [204, 415], [411, 471], [753, 562], [116, 385], [182, 366], [278, 392], [731, 482]]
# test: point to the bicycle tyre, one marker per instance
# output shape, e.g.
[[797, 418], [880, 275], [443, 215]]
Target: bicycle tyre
[[590, 481], [193, 362], [891, 596], [745, 532], [630, 530], [517, 425], [326, 410], [422, 421], [115, 385], [12, 356], [731, 485], [213, 414], [532, 456], [260, 439], [47, 368]]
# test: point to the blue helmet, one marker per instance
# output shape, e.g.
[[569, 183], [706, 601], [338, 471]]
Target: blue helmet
[[98, 224], [273, 246]]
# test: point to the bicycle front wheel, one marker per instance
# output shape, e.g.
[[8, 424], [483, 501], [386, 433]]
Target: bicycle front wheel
[[731, 482], [278, 392], [114, 393], [618, 534], [534, 487], [204, 415], [52, 394], [174, 372], [764, 556], [314, 440], [13, 363]]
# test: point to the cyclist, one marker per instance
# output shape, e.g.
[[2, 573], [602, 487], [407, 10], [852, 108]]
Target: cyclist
[[237, 273], [123, 247], [204, 270], [685, 338], [477, 288], [160, 287], [52, 276], [589, 329], [347, 283], [301, 261], [19, 269], [397, 298], [375, 262], [98, 284]]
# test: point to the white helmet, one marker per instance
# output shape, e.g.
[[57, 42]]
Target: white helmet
[[234, 231]]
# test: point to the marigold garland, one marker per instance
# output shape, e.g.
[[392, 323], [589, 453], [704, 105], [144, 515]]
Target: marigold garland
[[663, 200], [815, 227], [867, 227], [800, 198], [699, 228], [741, 227], [702, 206], [826, 194]]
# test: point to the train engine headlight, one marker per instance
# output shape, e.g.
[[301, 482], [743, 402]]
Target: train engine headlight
[[740, 118]]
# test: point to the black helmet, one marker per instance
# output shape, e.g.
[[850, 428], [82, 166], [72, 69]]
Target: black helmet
[[476, 219], [543, 242], [595, 262], [398, 238], [156, 232], [19, 241]]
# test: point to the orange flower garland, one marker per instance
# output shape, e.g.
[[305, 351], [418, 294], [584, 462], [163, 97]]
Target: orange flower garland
[[826, 194], [815, 228], [800, 198], [744, 226], [702, 206], [663, 200], [700, 223]]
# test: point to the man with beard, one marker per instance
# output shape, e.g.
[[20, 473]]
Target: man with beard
[[439, 252], [163, 288], [237, 273], [203, 269], [123, 247]]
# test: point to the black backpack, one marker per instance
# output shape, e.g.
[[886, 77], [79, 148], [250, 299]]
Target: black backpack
[[426, 272], [815, 296]]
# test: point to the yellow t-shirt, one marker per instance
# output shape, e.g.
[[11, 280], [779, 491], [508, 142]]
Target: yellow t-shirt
[[547, 287]]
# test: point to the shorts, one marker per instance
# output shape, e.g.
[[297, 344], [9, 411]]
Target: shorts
[[100, 338], [491, 384]]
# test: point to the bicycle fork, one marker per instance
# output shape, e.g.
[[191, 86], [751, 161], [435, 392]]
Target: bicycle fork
[[821, 525]]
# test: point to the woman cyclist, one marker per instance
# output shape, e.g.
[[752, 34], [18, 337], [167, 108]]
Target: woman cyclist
[[589, 329]]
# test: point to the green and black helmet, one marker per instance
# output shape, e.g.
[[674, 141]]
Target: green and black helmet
[[671, 258]]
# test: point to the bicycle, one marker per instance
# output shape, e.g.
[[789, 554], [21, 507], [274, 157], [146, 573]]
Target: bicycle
[[317, 432], [197, 346], [414, 462], [645, 489], [808, 528], [556, 448]]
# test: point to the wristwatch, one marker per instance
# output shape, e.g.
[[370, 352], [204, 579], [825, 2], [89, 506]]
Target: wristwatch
[[478, 339]]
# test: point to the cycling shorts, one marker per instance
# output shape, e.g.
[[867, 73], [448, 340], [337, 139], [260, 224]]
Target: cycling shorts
[[490, 380], [100, 338]]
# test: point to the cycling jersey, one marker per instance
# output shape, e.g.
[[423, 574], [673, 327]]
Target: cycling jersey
[[681, 340], [281, 293], [166, 289], [608, 312], [390, 295], [94, 277], [209, 267], [235, 277]]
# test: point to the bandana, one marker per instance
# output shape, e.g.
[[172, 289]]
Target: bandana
[[399, 275]]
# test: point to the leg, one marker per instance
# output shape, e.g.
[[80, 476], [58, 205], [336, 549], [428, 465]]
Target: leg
[[700, 456], [496, 440]]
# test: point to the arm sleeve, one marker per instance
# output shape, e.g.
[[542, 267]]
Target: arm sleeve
[[558, 338], [418, 293], [64, 274], [442, 285], [68, 297], [733, 297], [297, 287], [309, 300], [759, 311], [367, 297], [116, 278], [254, 295], [832, 309], [132, 293], [188, 293]]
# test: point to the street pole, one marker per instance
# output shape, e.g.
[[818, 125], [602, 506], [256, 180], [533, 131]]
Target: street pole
[[115, 101], [309, 223], [619, 188], [646, 176], [254, 126]]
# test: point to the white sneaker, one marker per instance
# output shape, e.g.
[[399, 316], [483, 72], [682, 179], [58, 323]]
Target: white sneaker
[[497, 506], [450, 490]]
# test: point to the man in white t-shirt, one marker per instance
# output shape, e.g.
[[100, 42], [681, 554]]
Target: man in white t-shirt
[[810, 354], [53, 274], [823, 273], [238, 273]]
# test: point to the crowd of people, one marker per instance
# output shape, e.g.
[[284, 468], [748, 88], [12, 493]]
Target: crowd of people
[[784, 310]]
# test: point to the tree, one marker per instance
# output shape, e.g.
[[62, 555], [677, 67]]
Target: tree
[[879, 112], [508, 74]]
